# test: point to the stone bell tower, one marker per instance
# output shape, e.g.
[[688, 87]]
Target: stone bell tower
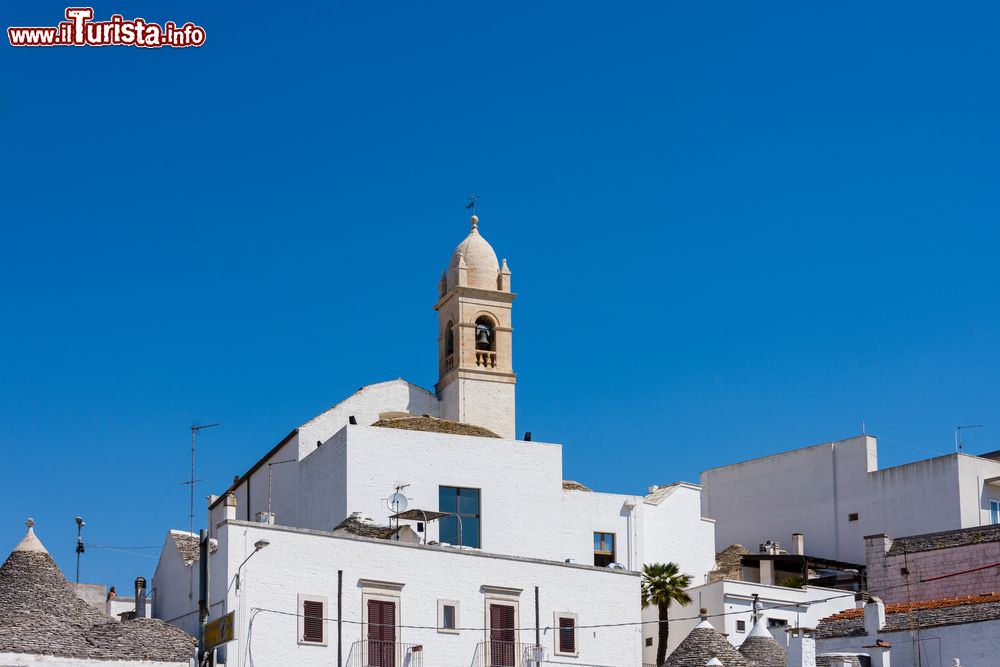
[[475, 372]]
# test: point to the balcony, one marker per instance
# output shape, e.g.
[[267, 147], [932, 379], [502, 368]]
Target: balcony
[[507, 654], [373, 653], [486, 359], [449, 363]]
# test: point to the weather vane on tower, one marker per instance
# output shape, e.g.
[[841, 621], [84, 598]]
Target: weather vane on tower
[[471, 203]]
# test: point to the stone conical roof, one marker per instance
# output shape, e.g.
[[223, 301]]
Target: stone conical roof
[[760, 648], [701, 645], [40, 614]]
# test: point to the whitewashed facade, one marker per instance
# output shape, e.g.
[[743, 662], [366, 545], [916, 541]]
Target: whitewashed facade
[[730, 609], [836, 494], [416, 580], [527, 528]]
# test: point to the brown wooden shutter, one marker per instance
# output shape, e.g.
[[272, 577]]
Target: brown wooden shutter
[[312, 627], [567, 635]]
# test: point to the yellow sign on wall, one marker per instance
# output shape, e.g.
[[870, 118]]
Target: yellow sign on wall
[[220, 630]]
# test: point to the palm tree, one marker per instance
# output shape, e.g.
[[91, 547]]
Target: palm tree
[[663, 583]]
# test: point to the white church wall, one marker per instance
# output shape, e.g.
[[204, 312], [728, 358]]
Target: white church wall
[[365, 406], [584, 513], [322, 490], [423, 575], [674, 531], [520, 482]]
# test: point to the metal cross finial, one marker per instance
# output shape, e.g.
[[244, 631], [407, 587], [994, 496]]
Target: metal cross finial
[[471, 203], [30, 523]]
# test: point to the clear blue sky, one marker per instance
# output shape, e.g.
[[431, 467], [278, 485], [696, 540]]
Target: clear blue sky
[[734, 230]]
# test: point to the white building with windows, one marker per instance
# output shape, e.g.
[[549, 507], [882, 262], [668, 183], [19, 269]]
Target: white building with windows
[[836, 493], [491, 520]]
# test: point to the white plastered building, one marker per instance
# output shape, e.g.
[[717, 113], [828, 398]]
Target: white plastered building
[[837, 493], [507, 518]]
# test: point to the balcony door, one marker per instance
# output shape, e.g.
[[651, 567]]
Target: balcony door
[[381, 633], [503, 650]]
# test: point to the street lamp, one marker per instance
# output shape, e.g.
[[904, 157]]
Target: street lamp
[[257, 546], [80, 523]]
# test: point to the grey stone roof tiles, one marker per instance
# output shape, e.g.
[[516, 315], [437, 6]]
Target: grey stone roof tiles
[[949, 538], [701, 645], [435, 425], [365, 529], [763, 652], [187, 546], [39, 614]]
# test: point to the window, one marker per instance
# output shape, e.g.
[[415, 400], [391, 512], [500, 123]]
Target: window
[[449, 339], [741, 626], [777, 623], [853, 516], [565, 634], [649, 641], [462, 529], [485, 340], [995, 511], [604, 549], [448, 616], [312, 622]]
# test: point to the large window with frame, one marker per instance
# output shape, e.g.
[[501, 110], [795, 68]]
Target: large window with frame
[[995, 511], [604, 549], [462, 525]]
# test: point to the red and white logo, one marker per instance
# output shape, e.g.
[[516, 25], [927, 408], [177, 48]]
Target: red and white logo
[[80, 29]]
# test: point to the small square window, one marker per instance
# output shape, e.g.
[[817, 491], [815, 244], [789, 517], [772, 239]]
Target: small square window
[[904, 571], [312, 620], [649, 641], [853, 516], [741, 626], [565, 635], [448, 616], [604, 549]]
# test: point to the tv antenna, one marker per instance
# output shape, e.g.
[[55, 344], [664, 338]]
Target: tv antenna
[[958, 434], [193, 481], [397, 502]]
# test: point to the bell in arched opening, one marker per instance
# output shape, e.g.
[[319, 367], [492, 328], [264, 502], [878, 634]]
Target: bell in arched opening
[[484, 334]]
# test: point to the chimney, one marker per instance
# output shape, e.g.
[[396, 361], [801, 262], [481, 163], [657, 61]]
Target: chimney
[[798, 544], [767, 571], [140, 597], [802, 647], [230, 507], [874, 616]]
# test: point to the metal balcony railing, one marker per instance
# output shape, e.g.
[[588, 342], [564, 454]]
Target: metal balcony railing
[[507, 654], [373, 653]]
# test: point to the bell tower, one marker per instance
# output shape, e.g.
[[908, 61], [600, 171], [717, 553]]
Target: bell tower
[[475, 371]]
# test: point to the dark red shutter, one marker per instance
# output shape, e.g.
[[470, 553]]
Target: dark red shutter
[[312, 612], [567, 635], [502, 647], [381, 633]]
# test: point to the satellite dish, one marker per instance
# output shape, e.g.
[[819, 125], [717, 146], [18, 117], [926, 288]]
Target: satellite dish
[[397, 502]]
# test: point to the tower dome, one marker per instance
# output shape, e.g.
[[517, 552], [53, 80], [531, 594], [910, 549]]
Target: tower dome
[[478, 257]]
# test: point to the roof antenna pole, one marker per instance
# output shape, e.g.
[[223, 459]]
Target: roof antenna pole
[[193, 481], [958, 434]]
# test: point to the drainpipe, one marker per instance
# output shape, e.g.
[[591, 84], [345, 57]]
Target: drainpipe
[[340, 617]]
